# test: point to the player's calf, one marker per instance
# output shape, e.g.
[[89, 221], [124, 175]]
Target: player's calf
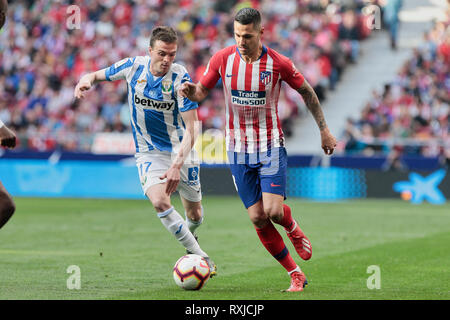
[[176, 225]]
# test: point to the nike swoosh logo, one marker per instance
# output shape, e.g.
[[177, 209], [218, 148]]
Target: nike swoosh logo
[[179, 229], [275, 185], [231, 75]]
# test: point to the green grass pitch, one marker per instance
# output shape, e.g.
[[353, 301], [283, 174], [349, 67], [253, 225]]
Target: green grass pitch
[[124, 252]]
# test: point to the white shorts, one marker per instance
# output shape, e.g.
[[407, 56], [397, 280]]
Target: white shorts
[[152, 165]]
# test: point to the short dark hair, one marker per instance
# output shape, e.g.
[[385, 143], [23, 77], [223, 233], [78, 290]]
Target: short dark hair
[[163, 33], [247, 16]]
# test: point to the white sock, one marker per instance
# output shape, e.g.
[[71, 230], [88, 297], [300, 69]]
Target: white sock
[[193, 225], [295, 270], [173, 222]]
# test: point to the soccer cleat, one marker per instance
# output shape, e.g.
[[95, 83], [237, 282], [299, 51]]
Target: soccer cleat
[[212, 267], [298, 282], [196, 239], [300, 241]]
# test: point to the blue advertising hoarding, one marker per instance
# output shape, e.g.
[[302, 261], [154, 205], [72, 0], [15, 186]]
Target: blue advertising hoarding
[[93, 179], [115, 178]]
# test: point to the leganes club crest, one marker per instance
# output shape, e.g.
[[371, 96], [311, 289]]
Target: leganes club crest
[[167, 86]]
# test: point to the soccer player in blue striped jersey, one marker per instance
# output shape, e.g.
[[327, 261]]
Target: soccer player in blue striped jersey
[[164, 129]]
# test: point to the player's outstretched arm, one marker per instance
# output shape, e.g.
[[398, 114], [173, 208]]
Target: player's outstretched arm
[[313, 105], [194, 92], [87, 81], [7, 136], [190, 120]]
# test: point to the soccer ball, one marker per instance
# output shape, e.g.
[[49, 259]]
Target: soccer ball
[[191, 272]]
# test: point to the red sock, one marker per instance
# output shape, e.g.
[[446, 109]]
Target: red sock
[[287, 222], [274, 243]]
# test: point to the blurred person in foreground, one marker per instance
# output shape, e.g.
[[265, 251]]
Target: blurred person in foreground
[[7, 206], [164, 132], [3, 10], [8, 140], [252, 75]]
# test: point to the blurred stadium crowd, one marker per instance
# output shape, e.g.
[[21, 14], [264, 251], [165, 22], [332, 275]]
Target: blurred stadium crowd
[[411, 114], [41, 59]]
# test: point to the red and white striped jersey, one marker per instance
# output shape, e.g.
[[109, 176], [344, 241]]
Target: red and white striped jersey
[[251, 96]]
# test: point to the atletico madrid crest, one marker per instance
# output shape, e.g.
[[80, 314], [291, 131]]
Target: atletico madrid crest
[[265, 77]]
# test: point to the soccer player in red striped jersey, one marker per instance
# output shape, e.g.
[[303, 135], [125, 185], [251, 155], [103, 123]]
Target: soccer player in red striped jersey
[[251, 76]]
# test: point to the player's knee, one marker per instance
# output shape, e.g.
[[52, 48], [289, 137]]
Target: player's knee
[[274, 212], [161, 204], [259, 221], [194, 214]]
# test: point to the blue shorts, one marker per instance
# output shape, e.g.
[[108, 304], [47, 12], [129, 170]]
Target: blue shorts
[[255, 173]]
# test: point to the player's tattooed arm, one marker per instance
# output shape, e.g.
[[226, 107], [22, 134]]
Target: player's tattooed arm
[[313, 104]]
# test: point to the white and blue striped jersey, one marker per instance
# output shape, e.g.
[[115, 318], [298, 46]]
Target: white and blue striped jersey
[[154, 103]]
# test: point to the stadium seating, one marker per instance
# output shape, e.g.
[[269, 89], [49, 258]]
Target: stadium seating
[[42, 56], [411, 114]]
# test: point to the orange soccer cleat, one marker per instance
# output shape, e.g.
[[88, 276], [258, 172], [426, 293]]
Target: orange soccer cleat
[[298, 282], [300, 241]]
